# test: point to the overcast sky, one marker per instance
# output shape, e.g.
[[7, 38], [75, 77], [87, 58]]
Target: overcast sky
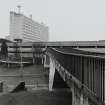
[[67, 19]]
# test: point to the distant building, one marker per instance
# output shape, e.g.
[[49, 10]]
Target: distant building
[[8, 37], [22, 27]]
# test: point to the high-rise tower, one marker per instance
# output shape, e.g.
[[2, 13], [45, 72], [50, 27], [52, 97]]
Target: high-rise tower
[[25, 28]]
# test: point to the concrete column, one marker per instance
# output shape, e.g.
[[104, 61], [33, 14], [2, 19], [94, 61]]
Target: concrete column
[[33, 60], [73, 95], [81, 99], [87, 101], [51, 74], [44, 60], [33, 54], [8, 65]]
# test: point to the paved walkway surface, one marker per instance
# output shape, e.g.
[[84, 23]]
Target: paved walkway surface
[[31, 74], [41, 97]]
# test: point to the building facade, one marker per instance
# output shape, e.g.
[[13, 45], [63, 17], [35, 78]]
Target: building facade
[[22, 27]]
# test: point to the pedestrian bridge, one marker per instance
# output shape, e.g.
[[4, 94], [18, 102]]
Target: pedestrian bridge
[[80, 71]]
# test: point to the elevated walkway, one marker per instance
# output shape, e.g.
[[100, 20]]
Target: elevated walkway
[[82, 71]]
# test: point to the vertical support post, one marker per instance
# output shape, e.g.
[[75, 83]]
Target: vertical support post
[[81, 99], [33, 54], [51, 74], [21, 63], [21, 57], [8, 63], [44, 60], [104, 86], [73, 95], [87, 103]]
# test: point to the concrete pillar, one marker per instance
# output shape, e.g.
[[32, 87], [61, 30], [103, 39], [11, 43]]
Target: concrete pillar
[[33, 60], [87, 101], [44, 60], [8, 65], [33, 57], [81, 99], [73, 95], [51, 74], [104, 86]]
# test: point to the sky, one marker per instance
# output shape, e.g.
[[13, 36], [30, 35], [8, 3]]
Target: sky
[[68, 20]]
